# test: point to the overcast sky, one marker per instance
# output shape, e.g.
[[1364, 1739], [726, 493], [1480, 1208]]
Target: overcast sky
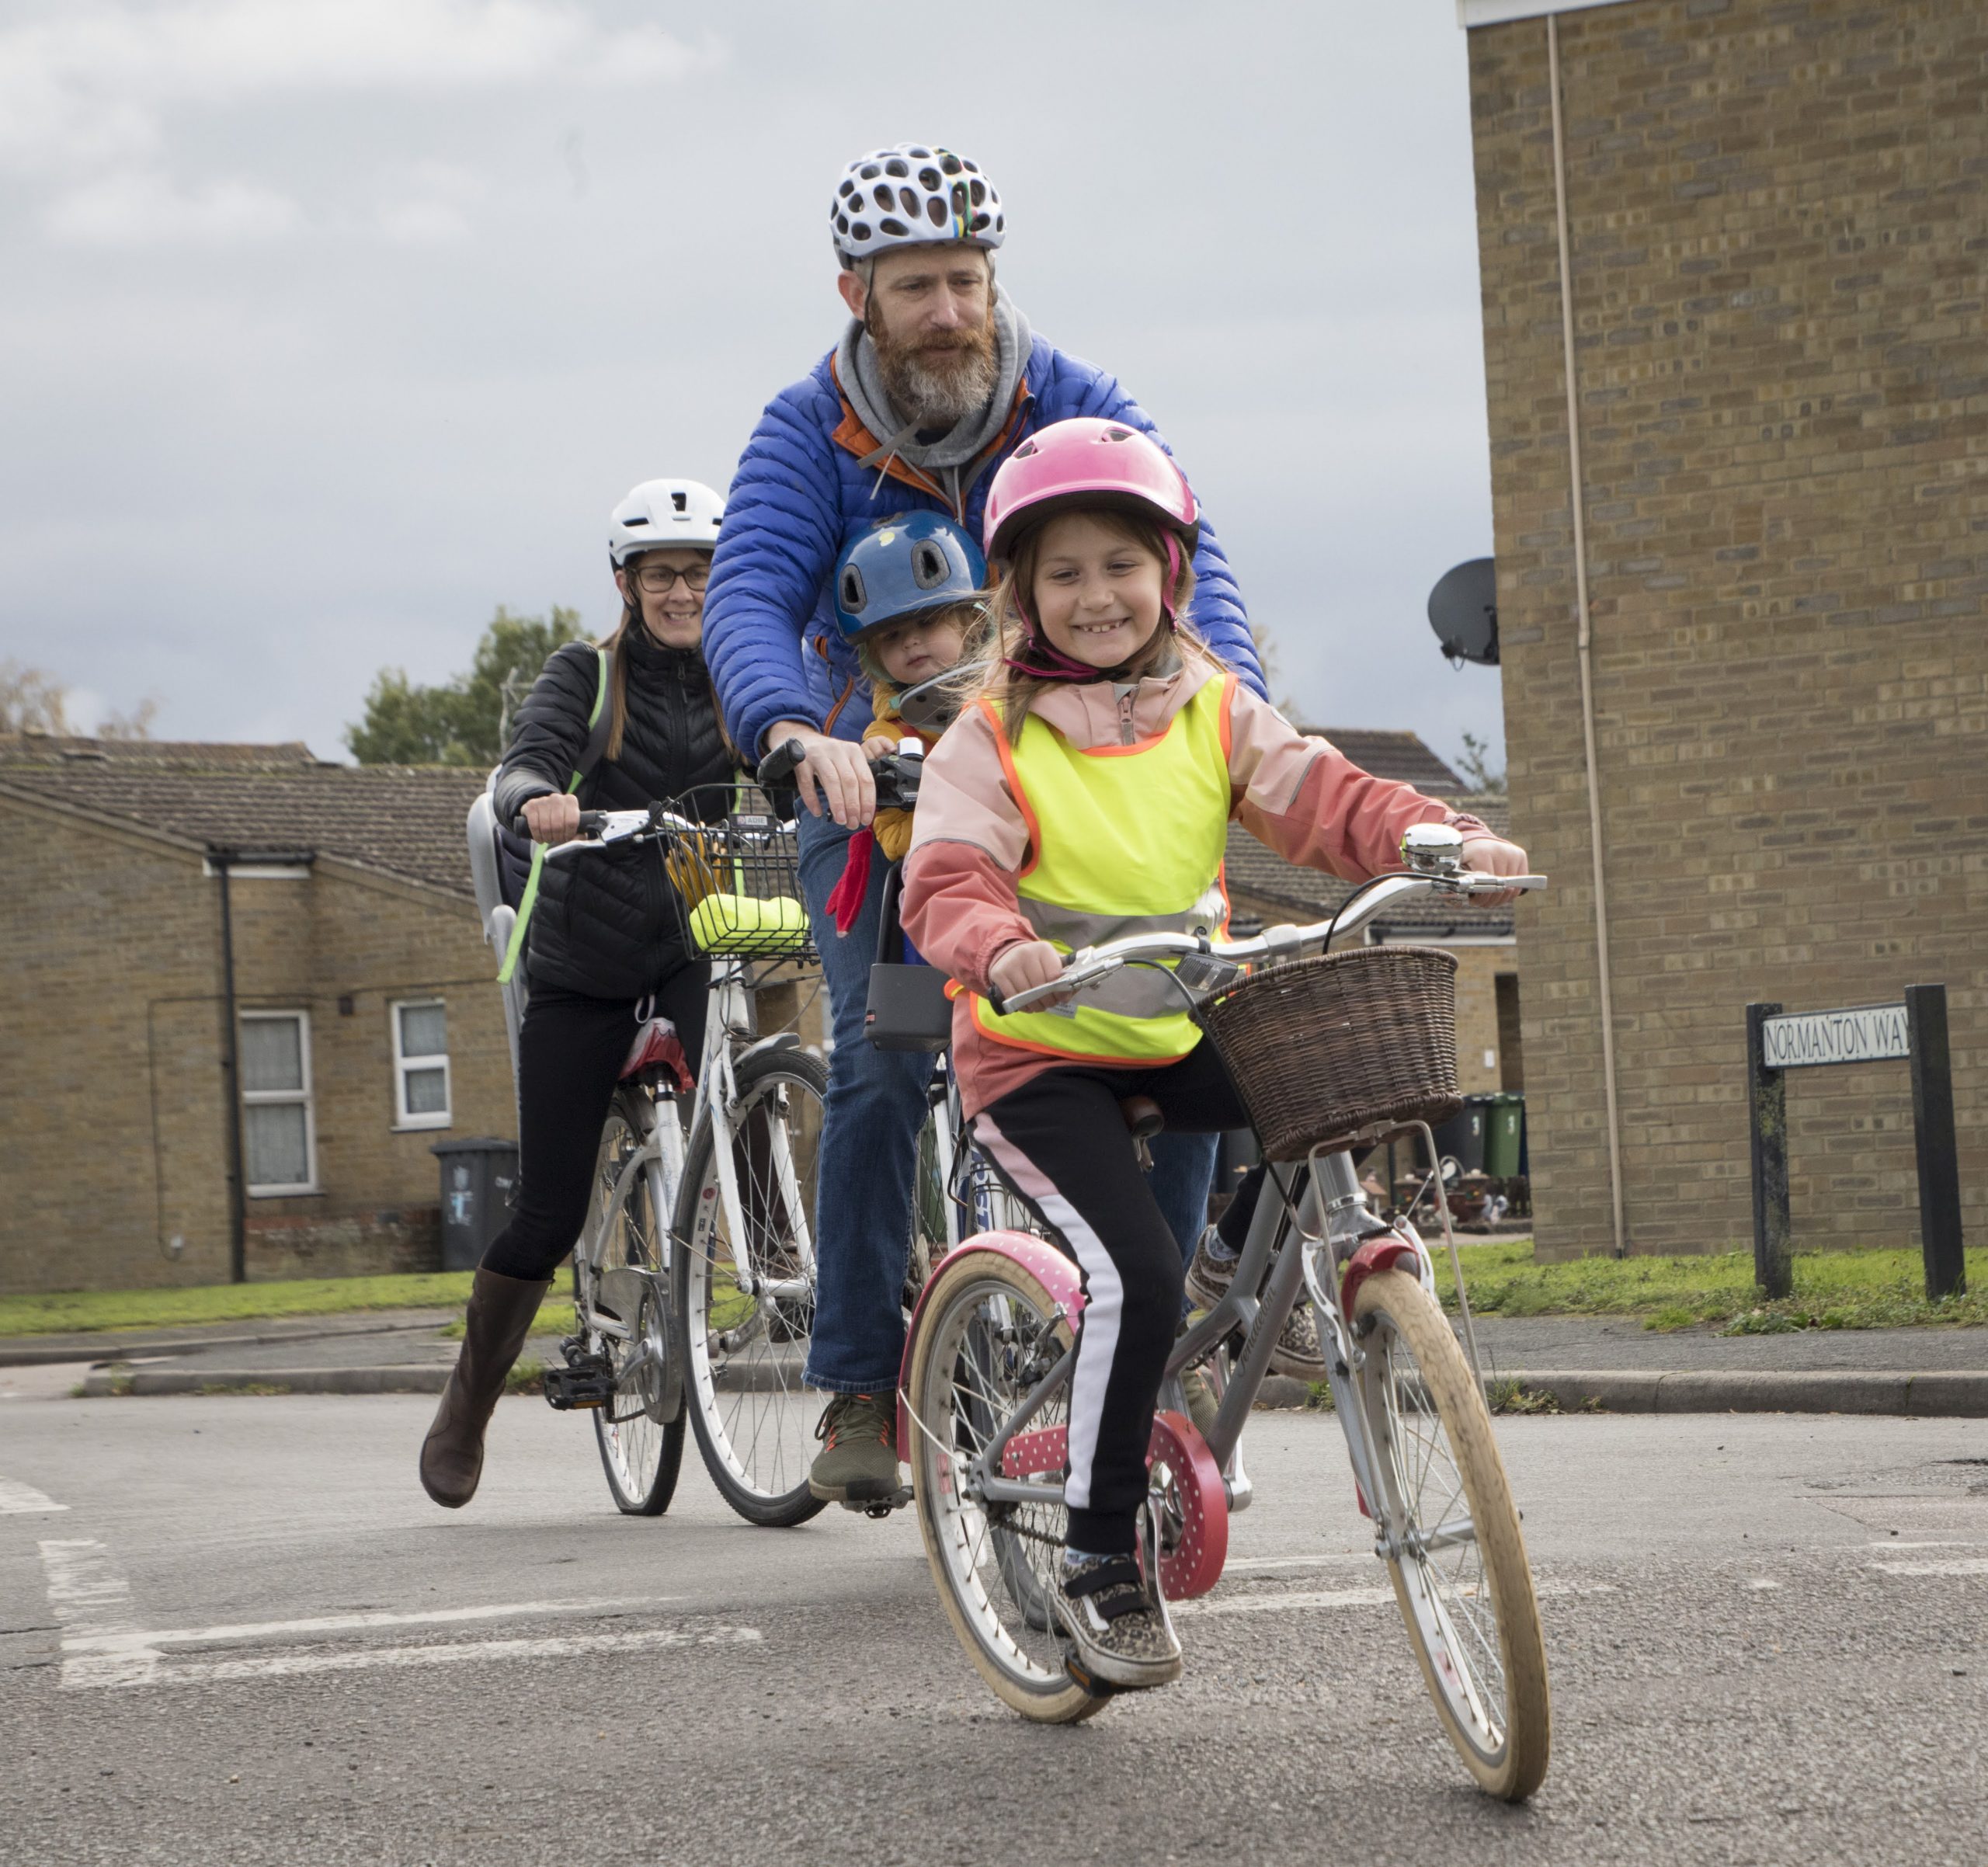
[[331, 324]]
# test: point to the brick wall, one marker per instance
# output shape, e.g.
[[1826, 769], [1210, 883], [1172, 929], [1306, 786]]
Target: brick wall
[[1779, 225], [112, 1100]]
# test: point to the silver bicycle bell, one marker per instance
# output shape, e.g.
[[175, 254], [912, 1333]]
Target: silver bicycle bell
[[1433, 849]]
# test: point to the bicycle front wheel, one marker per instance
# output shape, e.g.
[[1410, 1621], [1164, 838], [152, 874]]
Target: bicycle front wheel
[[639, 1452], [1460, 1577], [744, 1354], [989, 1333]]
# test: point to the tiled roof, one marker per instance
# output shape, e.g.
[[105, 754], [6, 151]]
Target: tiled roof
[[1401, 756], [405, 820], [1264, 885]]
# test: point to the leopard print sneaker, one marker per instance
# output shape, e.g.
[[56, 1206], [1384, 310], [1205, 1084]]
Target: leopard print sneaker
[[1118, 1635]]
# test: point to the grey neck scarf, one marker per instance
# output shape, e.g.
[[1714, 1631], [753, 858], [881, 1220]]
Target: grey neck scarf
[[948, 458]]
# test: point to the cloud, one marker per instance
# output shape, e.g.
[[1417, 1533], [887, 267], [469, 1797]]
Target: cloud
[[429, 211], [92, 83], [138, 208]]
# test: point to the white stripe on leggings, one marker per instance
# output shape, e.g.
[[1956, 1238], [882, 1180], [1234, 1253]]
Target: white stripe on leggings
[[1104, 1301]]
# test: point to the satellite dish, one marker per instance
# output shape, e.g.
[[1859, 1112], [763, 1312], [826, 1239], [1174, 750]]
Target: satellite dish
[[1463, 610]]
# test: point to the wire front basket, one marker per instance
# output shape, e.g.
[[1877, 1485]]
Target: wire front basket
[[1342, 1050], [735, 878]]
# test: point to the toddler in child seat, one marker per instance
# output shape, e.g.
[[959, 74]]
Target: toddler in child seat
[[907, 596], [1087, 792]]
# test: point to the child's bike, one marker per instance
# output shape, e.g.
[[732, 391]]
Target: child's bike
[[1330, 1052]]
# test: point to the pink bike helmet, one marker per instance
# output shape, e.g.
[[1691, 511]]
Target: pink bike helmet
[[1087, 461]]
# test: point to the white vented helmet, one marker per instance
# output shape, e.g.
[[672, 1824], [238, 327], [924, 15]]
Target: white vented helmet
[[662, 513], [914, 195]]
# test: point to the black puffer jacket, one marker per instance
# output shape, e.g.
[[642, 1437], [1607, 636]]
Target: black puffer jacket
[[603, 924]]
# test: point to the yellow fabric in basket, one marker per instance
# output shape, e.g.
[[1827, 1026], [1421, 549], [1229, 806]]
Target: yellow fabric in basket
[[720, 922]]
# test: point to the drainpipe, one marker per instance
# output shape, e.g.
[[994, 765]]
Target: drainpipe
[[1583, 641], [231, 1070]]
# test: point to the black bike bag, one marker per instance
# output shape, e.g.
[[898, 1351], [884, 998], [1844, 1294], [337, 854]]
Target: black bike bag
[[908, 1008]]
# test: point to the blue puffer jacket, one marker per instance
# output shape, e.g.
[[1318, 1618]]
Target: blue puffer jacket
[[800, 496]]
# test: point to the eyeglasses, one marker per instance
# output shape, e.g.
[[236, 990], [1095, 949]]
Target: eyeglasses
[[659, 579]]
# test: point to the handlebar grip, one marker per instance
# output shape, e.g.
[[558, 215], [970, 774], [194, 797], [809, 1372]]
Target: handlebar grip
[[592, 823], [777, 767], [995, 1003]]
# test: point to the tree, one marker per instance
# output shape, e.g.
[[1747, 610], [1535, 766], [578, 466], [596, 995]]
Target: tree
[[1270, 658], [33, 701], [465, 721], [1476, 767]]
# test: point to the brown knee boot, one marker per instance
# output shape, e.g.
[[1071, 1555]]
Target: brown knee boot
[[500, 1309]]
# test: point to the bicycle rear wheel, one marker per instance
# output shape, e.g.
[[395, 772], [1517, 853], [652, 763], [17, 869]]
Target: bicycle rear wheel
[[988, 1334], [744, 1355], [1460, 1577], [640, 1452]]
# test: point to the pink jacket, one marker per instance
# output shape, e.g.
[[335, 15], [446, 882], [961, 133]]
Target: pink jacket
[[1297, 794]]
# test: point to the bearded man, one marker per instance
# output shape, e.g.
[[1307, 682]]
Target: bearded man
[[937, 379]]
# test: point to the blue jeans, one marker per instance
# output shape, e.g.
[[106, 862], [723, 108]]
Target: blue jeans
[[876, 1106]]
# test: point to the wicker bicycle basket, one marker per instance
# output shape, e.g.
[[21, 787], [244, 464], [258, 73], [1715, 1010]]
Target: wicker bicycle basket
[[1342, 1050], [735, 880]]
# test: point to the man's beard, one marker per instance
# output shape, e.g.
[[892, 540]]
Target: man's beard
[[940, 383]]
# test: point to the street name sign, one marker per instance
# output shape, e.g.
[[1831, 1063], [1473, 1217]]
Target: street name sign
[[1915, 1032], [1864, 1034]]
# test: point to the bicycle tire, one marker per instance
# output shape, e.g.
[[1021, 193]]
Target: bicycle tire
[[765, 1480], [974, 1564], [640, 1455], [1427, 1412]]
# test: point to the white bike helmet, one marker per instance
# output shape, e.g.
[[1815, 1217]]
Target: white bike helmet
[[661, 513], [913, 196]]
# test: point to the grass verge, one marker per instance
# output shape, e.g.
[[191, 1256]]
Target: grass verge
[[78, 1311], [1833, 1289]]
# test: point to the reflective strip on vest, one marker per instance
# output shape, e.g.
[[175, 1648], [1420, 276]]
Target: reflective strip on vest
[[1125, 840]]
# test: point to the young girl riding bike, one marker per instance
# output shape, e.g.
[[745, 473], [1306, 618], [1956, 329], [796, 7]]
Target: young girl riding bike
[[1086, 792]]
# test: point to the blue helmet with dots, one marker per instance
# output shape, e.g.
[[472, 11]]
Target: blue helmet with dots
[[904, 566]]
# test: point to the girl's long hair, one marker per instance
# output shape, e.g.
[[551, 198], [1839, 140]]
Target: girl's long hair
[[1009, 635], [618, 679]]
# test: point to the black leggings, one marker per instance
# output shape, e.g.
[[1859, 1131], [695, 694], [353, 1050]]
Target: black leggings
[[570, 1053], [1060, 1140]]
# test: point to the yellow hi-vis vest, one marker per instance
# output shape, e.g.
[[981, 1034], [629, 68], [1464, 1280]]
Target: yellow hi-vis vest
[[1125, 840]]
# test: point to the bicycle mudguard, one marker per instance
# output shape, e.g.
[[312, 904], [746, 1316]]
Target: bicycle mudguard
[[1057, 1275], [1381, 1254]]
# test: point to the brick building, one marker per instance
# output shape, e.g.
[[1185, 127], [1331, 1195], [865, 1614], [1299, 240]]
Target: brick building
[[1739, 471], [369, 1027], [1264, 888]]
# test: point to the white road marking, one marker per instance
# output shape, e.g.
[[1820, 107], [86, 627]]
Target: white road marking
[[92, 1603], [1973, 1565], [1251, 1565], [275, 1666], [1762, 1583], [18, 1499], [342, 1623], [103, 1646], [1298, 1601], [1892, 1542]]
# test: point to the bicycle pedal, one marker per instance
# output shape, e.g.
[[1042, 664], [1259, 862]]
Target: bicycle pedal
[[1097, 1687], [880, 1508], [585, 1383]]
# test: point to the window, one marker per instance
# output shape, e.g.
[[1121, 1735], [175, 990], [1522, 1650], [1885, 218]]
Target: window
[[278, 1153], [421, 1063]]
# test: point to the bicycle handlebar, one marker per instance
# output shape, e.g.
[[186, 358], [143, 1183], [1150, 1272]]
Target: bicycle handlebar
[[1277, 945], [896, 773]]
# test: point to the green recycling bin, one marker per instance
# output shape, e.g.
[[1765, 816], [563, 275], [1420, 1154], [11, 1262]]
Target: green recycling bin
[[1504, 1131]]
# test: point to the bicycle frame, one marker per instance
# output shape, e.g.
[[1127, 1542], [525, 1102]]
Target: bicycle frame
[[1297, 1237]]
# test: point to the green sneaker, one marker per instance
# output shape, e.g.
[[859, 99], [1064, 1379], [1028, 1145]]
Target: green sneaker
[[1199, 1392], [858, 1462]]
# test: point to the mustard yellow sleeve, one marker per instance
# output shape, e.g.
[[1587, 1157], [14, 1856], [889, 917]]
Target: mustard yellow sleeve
[[892, 830]]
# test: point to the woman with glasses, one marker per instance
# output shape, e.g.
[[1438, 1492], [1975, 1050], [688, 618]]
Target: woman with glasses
[[611, 727]]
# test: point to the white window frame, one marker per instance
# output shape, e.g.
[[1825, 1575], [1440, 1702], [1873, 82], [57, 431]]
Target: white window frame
[[404, 1117], [254, 1097]]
